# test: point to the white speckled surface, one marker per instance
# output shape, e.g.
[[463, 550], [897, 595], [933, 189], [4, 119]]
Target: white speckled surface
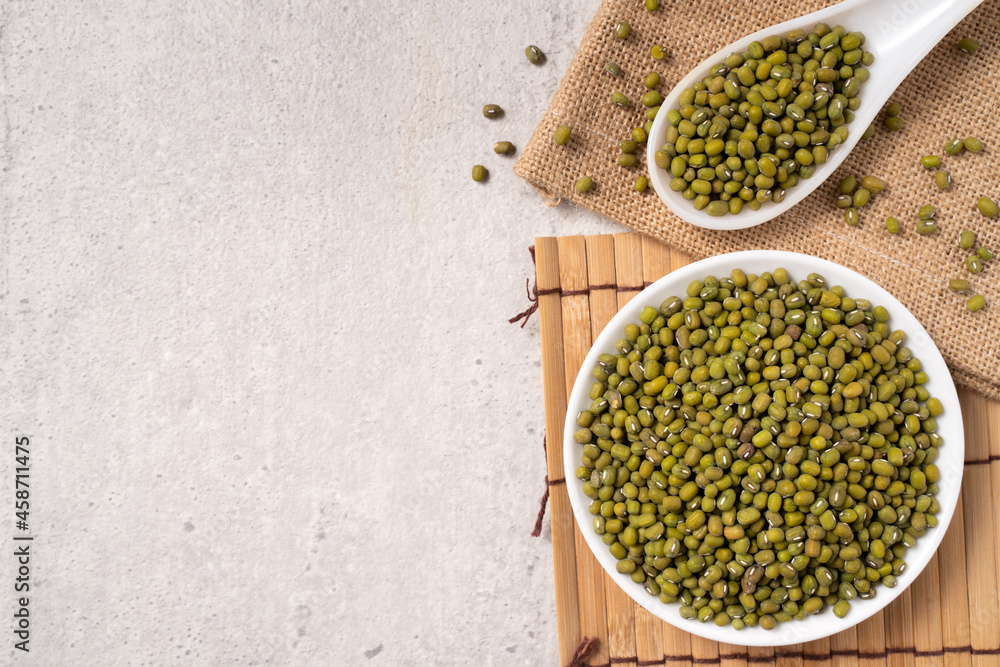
[[254, 320]]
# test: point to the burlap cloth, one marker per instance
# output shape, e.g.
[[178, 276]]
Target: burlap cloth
[[950, 94]]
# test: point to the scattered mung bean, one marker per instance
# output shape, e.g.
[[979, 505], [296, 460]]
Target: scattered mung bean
[[534, 55], [968, 45], [658, 52], [973, 145], [652, 80], [479, 173], [641, 183], [942, 179], [984, 253], [852, 217], [652, 98], [892, 109], [958, 285], [623, 30], [966, 239], [873, 184], [562, 135], [892, 225], [613, 69], [926, 212], [987, 207], [492, 111], [893, 123], [973, 263], [584, 185], [930, 162], [954, 147], [976, 303], [620, 99], [926, 227], [503, 148]]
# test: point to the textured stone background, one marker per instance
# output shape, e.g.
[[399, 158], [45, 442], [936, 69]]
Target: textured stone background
[[253, 318]]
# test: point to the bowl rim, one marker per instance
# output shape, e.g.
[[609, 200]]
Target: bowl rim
[[940, 383]]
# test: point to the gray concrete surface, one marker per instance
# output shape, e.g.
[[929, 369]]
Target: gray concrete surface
[[253, 315]]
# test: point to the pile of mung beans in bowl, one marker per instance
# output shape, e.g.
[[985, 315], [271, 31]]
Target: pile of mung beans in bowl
[[763, 448]]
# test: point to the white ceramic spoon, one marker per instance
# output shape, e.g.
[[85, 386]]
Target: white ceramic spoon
[[899, 33]]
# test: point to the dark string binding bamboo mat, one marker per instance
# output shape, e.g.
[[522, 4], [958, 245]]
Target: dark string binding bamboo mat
[[950, 94], [949, 616]]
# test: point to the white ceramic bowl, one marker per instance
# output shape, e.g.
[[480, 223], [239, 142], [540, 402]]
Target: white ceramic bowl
[[950, 460]]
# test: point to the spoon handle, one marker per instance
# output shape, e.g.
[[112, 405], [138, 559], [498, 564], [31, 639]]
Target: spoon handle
[[901, 32]]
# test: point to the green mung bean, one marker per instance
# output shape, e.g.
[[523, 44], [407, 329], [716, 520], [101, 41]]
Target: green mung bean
[[968, 45], [942, 179], [926, 227], [658, 52], [958, 285], [893, 123], [652, 5], [620, 99], [987, 207], [893, 109], [623, 30], [627, 160], [652, 98], [930, 162], [954, 147], [848, 185], [976, 303], [641, 183], [926, 212], [613, 69], [984, 253], [972, 145], [534, 55], [584, 184], [479, 173], [492, 111], [973, 263], [966, 239], [652, 80], [503, 148], [892, 225], [561, 135], [873, 184], [852, 217]]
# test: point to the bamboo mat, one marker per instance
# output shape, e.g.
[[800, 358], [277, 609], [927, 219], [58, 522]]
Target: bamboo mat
[[950, 616]]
